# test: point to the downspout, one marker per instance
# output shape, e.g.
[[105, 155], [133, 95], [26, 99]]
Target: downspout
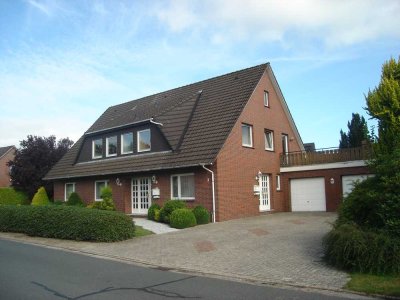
[[213, 190]]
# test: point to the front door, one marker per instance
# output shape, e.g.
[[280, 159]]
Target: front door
[[264, 193], [141, 195]]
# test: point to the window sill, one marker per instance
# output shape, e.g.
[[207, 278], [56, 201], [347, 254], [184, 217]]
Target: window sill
[[248, 147], [270, 150]]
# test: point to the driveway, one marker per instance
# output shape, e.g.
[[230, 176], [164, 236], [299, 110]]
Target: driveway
[[281, 248]]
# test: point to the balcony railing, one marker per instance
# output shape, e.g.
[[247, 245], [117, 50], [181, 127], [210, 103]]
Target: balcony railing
[[325, 156]]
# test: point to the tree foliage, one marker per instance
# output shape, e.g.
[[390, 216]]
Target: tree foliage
[[357, 132], [35, 157]]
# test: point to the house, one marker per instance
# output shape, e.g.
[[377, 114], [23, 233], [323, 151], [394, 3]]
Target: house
[[215, 142], [6, 154]]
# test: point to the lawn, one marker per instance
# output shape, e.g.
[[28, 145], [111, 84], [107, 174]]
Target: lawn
[[373, 284], [140, 231]]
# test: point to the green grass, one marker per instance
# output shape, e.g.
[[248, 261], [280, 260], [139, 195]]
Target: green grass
[[373, 284], [140, 231]]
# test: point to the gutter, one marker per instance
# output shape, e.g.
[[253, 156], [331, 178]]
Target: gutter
[[154, 122], [213, 190]]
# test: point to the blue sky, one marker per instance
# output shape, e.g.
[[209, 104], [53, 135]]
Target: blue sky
[[62, 63]]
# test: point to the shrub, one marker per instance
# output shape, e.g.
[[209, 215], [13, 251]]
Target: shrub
[[182, 218], [157, 215], [40, 198], [169, 207], [351, 248], [75, 200], [10, 196], [58, 202], [202, 215], [151, 211], [66, 222], [107, 203]]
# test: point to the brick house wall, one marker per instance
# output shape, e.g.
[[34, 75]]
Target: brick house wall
[[4, 169], [333, 192], [237, 166]]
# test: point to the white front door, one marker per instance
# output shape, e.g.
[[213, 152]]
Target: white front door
[[264, 193], [141, 195]]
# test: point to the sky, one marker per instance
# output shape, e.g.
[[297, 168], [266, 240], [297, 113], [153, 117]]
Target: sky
[[63, 63]]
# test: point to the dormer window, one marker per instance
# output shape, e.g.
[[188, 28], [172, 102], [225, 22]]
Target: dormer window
[[266, 99], [143, 140], [127, 143], [111, 145], [97, 148]]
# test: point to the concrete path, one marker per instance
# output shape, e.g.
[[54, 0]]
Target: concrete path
[[281, 248], [156, 227]]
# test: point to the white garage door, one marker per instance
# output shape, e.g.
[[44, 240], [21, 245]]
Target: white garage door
[[348, 182], [308, 194]]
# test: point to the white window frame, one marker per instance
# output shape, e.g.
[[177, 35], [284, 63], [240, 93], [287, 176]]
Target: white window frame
[[278, 182], [93, 149], [266, 98], [267, 132], [95, 185], [122, 143], [138, 141], [179, 187], [65, 189], [107, 144], [251, 135]]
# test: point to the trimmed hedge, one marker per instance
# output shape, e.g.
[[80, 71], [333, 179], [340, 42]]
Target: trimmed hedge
[[202, 215], [9, 196], [182, 218], [152, 210], [350, 248], [169, 207], [74, 200], [40, 198], [66, 222]]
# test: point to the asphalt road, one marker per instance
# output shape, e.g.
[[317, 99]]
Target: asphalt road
[[33, 272]]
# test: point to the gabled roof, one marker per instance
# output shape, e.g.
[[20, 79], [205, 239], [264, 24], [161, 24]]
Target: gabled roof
[[196, 120], [4, 150]]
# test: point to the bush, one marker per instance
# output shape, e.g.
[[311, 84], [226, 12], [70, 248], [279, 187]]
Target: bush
[[40, 198], [157, 215], [107, 203], [202, 215], [75, 200], [9, 196], [350, 248], [66, 222], [182, 218], [169, 207], [151, 211], [58, 202]]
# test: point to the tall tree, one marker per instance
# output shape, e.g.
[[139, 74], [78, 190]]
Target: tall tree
[[357, 132], [35, 157], [383, 104]]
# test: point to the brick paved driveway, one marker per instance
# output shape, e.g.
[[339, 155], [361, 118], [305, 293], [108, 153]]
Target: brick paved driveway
[[282, 248]]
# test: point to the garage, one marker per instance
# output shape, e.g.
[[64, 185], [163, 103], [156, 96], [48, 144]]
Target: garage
[[308, 194], [348, 182]]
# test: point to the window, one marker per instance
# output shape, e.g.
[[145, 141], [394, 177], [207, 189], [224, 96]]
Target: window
[[266, 99], [127, 143], [69, 189], [98, 186], [111, 145], [269, 140], [97, 148], [247, 135], [278, 182], [285, 146], [143, 140], [182, 186]]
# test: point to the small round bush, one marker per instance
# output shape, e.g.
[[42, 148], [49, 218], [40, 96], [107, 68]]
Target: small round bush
[[182, 218], [151, 211], [107, 203], [169, 207], [40, 198], [75, 200], [202, 215], [157, 215]]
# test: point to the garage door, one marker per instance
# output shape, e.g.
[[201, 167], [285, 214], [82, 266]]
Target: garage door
[[348, 182], [308, 194]]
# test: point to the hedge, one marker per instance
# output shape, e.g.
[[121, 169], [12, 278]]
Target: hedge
[[182, 218], [9, 196], [351, 248], [66, 222]]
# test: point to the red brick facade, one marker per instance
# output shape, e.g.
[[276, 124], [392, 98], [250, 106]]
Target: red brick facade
[[4, 169]]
